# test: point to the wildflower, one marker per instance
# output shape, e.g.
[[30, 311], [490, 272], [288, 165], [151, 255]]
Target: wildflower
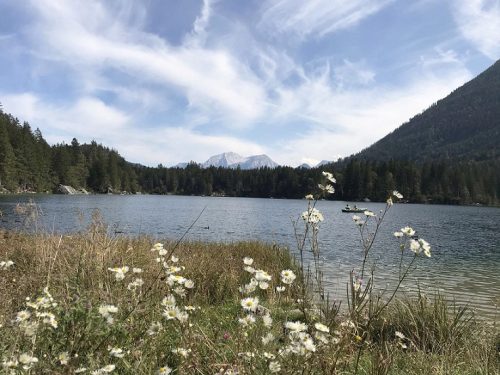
[[415, 246], [116, 352], [29, 328], [267, 338], [329, 177], [105, 370], [309, 197], [162, 252], [287, 276], [79, 370], [119, 272], [168, 301], [398, 234], [280, 289], [249, 269], [296, 326], [106, 311], [425, 246], [389, 201], [321, 327], [312, 216], [247, 320], [327, 188], [5, 265], [180, 291], [267, 320], [397, 194], [22, 316], [164, 370], [250, 287], [182, 352], [174, 259], [268, 355], [263, 285], [369, 213], [274, 367], [261, 275], [189, 284], [10, 363], [248, 261], [154, 328], [27, 360], [171, 313], [48, 318], [63, 358], [308, 344], [408, 231], [137, 283], [250, 303], [157, 247], [399, 335], [173, 279], [136, 270], [189, 308]]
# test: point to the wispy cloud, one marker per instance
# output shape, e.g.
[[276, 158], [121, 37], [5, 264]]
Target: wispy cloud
[[89, 119], [211, 80], [317, 17], [479, 22]]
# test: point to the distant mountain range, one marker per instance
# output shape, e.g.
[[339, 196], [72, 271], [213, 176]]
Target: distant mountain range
[[234, 160], [465, 126]]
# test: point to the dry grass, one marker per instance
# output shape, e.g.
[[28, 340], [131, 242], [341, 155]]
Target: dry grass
[[76, 270]]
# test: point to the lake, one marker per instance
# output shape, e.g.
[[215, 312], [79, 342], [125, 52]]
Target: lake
[[465, 262]]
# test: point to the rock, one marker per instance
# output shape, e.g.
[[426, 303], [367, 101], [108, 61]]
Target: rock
[[66, 189]]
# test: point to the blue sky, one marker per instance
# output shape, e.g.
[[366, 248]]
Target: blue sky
[[166, 81]]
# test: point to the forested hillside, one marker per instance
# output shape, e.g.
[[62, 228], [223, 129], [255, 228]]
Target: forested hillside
[[28, 163], [463, 126]]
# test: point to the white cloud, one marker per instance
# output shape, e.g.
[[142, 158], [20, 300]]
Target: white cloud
[[479, 22], [317, 17], [349, 120], [89, 119], [212, 80]]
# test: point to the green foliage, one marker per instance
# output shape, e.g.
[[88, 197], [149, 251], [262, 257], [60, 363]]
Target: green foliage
[[28, 163], [463, 126]]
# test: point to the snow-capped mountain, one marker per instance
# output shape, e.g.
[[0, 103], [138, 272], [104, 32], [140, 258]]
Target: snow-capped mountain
[[227, 159], [323, 162], [232, 160]]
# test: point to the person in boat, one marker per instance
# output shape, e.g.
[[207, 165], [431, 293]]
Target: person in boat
[[355, 207], [347, 207]]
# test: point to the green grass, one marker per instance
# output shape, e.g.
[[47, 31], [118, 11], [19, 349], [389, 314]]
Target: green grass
[[439, 340]]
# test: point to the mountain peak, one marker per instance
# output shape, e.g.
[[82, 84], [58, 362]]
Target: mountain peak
[[233, 160], [464, 126]]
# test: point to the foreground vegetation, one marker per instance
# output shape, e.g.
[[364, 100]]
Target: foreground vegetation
[[418, 336]]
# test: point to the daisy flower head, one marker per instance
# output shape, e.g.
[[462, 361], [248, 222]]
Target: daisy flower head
[[288, 276], [329, 177], [250, 303]]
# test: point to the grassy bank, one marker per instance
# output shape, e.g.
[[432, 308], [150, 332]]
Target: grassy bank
[[68, 329]]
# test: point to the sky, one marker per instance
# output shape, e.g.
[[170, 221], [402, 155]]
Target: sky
[[169, 81]]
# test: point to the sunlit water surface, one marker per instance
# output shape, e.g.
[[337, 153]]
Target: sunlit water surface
[[465, 263]]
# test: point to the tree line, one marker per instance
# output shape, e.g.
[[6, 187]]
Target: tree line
[[29, 163]]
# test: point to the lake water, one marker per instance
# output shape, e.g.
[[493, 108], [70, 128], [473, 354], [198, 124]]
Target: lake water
[[465, 263]]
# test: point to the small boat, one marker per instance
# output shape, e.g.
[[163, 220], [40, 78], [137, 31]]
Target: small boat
[[354, 210]]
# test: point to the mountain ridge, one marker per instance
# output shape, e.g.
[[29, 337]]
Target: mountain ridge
[[465, 125]]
